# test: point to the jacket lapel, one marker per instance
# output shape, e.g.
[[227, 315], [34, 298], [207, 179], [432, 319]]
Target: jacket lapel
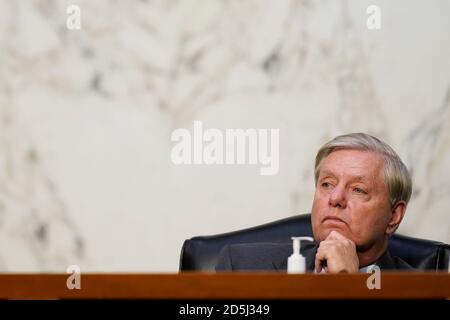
[[386, 262]]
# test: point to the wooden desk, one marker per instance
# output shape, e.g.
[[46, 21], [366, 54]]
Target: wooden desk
[[225, 286]]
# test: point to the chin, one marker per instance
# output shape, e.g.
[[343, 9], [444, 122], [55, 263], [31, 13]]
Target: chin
[[327, 230]]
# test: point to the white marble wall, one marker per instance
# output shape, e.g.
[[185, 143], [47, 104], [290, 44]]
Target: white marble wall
[[86, 117]]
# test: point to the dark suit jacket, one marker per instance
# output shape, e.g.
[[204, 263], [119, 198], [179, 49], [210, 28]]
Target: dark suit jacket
[[273, 257]]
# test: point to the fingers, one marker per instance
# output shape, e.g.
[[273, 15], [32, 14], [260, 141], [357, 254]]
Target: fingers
[[334, 235], [324, 251], [320, 259], [338, 254]]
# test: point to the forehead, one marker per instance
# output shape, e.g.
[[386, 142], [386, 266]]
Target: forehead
[[358, 164]]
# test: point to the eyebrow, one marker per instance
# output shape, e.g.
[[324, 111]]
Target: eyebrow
[[353, 178]]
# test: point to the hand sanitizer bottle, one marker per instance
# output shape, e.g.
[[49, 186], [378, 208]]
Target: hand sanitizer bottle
[[297, 262]]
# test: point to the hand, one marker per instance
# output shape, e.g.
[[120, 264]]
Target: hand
[[339, 254]]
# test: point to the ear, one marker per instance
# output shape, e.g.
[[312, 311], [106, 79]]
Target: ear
[[397, 214]]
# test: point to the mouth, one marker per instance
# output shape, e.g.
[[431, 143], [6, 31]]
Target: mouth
[[334, 220]]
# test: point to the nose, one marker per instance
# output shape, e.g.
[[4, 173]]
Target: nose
[[338, 198]]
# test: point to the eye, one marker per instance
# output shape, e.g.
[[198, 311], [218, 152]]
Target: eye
[[325, 184], [359, 190]]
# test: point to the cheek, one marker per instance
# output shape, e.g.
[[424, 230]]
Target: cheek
[[367, 221], [318, 205], [320, 199], [315, 211], [319, 208]]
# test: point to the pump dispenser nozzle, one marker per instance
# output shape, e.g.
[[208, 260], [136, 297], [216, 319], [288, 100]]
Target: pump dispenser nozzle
[[296, 262]]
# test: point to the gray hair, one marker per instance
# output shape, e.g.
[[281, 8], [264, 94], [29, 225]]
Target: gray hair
[[396, 175]]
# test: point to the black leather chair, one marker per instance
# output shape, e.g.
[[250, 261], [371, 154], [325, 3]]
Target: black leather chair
[[200, 253]]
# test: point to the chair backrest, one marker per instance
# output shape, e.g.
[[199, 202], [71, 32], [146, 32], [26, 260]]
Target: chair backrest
[[201, 253]]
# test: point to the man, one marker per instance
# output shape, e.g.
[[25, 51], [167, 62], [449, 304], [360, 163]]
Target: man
[[362, 190]]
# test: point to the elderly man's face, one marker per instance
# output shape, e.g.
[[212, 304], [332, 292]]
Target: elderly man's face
[[351, 197]]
